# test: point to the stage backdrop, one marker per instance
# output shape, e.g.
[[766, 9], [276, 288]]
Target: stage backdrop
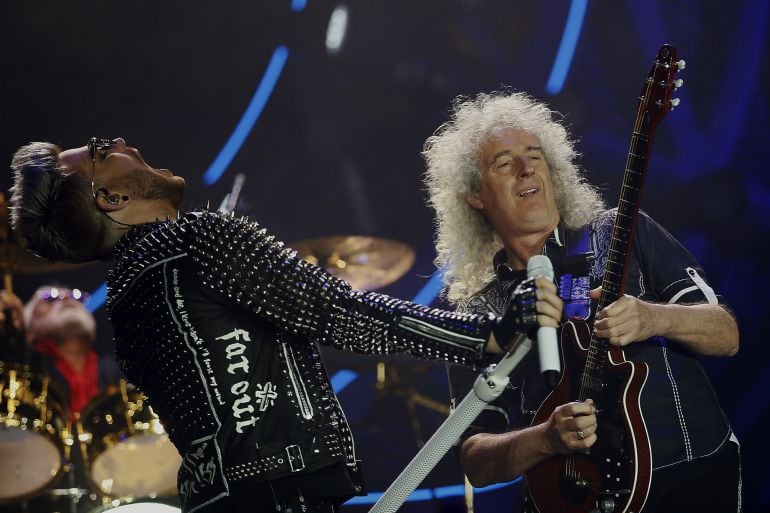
[[322, 107]]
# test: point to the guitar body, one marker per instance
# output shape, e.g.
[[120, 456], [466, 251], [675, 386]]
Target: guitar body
[[618, 467]]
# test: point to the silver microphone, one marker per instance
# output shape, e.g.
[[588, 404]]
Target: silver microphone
[[547, 344]]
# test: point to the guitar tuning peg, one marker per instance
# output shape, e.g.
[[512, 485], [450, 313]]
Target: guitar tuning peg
[[680, 65], [675, 103], [678, 83]]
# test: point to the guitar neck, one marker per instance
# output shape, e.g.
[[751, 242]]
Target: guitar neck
[[621, 244]]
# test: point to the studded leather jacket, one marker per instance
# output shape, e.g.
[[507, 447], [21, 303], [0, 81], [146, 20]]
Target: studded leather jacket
[[217, 323]]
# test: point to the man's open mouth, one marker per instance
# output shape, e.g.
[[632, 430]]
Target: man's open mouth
[[528, 192]]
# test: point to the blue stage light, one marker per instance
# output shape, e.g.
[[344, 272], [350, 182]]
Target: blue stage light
[[566, 50], [249, 118]]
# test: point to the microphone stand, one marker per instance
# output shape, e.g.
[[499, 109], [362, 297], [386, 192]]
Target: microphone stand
[[488, 386]]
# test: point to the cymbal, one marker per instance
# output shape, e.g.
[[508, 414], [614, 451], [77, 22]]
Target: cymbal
[[14, 258], [366, 263]]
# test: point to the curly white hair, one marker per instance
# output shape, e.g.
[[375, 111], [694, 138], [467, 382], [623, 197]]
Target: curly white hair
[[465, 242]]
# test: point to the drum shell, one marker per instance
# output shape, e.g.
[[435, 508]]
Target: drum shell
[[33, 416], [116, 420]]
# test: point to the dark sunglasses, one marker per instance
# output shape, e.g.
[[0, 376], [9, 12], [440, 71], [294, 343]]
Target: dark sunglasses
[[96, 144], [57, 294]]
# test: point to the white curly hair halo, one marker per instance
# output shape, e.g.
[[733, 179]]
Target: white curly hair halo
[[465, 242]]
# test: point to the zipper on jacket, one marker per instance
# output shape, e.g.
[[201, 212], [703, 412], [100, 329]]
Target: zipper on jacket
[[303, 399]]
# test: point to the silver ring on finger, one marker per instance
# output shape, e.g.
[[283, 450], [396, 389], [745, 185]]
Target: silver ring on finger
[[580, 434]]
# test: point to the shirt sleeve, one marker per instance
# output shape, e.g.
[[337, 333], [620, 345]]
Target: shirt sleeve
[[240, 260], [670, 271]]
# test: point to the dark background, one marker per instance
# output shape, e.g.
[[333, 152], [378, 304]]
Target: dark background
[[336, 150]]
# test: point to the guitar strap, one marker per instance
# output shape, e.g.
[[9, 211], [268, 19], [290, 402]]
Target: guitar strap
[[572, 257]]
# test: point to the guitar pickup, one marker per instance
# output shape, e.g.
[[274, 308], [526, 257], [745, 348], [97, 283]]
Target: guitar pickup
[[594, 384]]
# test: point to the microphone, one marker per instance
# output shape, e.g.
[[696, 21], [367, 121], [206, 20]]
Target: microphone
[[547, 345]]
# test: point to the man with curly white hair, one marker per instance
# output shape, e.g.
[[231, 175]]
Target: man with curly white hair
[[502, 178]]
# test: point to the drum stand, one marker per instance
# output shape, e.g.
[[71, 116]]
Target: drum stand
[[389, 383]]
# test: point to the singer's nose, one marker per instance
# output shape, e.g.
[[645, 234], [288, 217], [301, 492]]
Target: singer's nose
[[525, 166]]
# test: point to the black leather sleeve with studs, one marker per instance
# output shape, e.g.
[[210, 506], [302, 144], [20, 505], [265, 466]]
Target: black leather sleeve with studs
[[239, 259]]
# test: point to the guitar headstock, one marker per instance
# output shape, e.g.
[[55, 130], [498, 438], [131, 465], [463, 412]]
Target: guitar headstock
[[655, 100]]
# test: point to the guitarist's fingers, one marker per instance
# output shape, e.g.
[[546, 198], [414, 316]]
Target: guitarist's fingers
[[547, 295], [549, 305], [586, 442], [590, 429], [579, 440], [624, 307], [550, 298], [547, 315], [545, 284], [622, 330], [576, 409], [626, 320], [581, 423]]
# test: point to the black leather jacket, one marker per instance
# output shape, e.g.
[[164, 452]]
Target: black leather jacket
[[217, 323]]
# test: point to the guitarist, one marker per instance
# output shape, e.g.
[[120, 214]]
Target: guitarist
[[502, 178]]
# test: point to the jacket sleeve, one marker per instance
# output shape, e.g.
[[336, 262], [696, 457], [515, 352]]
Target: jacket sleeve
[[240, 260]]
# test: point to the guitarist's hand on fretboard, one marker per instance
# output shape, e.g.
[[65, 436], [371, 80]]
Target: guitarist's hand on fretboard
[[626, 320]]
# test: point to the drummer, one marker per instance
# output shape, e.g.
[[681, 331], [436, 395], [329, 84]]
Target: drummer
[[57, 325]]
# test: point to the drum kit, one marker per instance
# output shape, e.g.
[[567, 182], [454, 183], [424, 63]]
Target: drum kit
[[113, 456], [117, 443]]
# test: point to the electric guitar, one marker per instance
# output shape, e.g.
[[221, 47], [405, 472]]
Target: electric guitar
[[613, 476]]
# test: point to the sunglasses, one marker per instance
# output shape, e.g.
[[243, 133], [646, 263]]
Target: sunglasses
[[57, 294], [95, 145]]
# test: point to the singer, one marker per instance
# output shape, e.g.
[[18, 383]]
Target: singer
[[217, 323], [503, 181]]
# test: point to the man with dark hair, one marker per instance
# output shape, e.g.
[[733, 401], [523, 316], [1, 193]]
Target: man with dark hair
[[217, 323], [62, 235], [58, 219]]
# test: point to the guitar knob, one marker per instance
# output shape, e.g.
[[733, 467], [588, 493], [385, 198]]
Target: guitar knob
[[674, 103], [680, 65], [678, 83], [607, 505]]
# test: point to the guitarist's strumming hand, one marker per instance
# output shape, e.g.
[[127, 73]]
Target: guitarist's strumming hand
[[534, 303], [626, 320], [571, 427]]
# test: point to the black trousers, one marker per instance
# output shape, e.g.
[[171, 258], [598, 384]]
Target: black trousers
[[710, 484]]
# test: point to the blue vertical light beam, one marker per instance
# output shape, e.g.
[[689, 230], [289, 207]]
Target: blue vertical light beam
[[569, 38], [249, 118], [298, 5]]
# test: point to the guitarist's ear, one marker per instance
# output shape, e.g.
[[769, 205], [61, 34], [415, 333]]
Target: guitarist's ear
[[474, 200]]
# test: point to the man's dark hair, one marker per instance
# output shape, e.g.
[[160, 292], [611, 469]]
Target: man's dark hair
[[53, 212]]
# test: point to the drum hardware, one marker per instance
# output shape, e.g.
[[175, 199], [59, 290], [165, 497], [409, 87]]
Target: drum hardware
[[32, 451], [390, 383], [125, 449], [137, 507], [366, 263]]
